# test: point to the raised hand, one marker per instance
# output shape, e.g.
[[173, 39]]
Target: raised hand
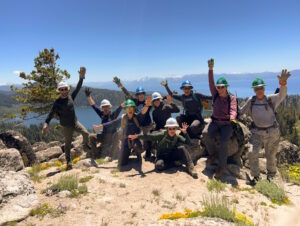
[[123, 105], [82, 72], [148, 101], [164, 82], [132, 137], [184, 127], [97, 127], [117, 81], [87, 91], [45, 129], [169, 99], [211, 63], [284, 75]]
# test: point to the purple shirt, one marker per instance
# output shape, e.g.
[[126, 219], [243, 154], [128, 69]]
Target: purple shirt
[[221, 113]]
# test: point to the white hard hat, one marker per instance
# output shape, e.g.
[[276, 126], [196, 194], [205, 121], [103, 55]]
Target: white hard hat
[[156, 96], [62, 85], [105, 102], [171, 122]]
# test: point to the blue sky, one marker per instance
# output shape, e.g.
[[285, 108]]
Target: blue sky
[[138, 38]]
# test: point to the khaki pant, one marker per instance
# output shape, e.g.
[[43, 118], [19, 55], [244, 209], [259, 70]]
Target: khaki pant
[[68, 134], [269, 139]]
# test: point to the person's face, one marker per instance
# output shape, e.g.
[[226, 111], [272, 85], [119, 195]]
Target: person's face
[[222, 90], [260, 92], [64, 91], [156, 103], [130, 111], [141, 97], [106, 109], [187, 90], [172, 131]]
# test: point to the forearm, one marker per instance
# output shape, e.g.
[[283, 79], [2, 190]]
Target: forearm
[[245, 109], [211, 81], [116, 113], [168, 90], [203, 96], [50, 115], [126, 92], [91, 100], [114, 124], [174, 108], [78, 87], [233, 108]]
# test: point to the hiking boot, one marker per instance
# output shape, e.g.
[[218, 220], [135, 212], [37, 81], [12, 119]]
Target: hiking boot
[[147, 158], [191, 170], [254, 181], [271, 178], [210, 160], [69, 166]]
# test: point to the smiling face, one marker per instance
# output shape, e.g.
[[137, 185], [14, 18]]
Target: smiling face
[[64, 92], [141, 97], [156, 103], [222, 90], [260, 92], [172, 131], [130, 112], [106, 109], [187, 90]]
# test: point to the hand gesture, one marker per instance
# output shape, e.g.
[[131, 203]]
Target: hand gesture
[[81, 72], [169, 99], [87, 91], [211, 63], [117, 81], [132, 137], [123, 105], [284, 75], [148, 101], [45, 129], [97, 127], [184, 127], [164, 82]]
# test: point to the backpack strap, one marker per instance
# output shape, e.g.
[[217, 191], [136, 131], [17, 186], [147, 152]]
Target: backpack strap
[[197, 100]]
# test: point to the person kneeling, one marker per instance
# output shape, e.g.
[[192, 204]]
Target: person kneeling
[[170, 146]]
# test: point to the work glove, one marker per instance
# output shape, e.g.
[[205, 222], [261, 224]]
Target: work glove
[[211, 63], [164, 82], [81, 72], [117, 81], [87, 92], [284, 76]]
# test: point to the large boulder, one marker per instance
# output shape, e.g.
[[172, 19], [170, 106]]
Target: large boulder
[[11, 160], [14, 139], [288, 153], [2, 145], [17, 196], [54, 143], [48, 154], [195, 149], [39, 146]]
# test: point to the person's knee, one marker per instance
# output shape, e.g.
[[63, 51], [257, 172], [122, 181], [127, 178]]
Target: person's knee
[[160, 165], [195, 124]]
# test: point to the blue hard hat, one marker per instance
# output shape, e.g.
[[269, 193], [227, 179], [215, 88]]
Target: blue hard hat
[[186, 83], [139, 90]]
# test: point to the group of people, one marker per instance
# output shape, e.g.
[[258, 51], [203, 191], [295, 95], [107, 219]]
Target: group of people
[[171, 137]]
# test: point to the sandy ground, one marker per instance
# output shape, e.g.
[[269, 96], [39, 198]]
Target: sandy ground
[[140, 197]]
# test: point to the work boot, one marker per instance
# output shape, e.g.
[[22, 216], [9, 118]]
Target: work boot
[[210, 160], [69, 166], [254, 181], [191, 170], [219, 172]]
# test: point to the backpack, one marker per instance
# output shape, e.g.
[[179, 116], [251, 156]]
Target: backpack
[[269, 104]]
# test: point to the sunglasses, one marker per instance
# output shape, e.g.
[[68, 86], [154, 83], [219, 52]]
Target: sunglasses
[[220, 87], [172, 129], [258, 88], [186, 88], [63, 89]]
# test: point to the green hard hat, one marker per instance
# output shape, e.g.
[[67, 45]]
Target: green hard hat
[[129, 103], [222, 82], [258, 82]]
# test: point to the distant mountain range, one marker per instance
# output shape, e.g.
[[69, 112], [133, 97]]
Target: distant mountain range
[[240, 84]]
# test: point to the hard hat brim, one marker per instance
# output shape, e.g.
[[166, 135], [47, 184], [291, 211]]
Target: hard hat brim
[[181, 87], [57, 90]]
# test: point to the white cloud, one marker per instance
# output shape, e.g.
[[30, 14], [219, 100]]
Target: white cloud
[[16, 72]]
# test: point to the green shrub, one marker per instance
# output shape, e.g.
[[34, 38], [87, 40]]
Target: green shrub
[[290, 173], [275, 193], [42, 210], [85, 179], [215, 185], [34, 173], [66, 182]]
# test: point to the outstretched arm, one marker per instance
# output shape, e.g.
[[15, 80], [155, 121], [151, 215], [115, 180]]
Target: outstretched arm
[[211, 80], [172, 94], [81, 72], [121, 86]]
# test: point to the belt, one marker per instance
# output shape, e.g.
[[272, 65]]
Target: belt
[[220, 119], [263, 128]]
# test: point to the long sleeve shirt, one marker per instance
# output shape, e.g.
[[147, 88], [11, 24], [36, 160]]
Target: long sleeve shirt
[[223, 111], [161, 113], [64, 108], [191, 105], [263, 115], [165, 143], [106, 118]]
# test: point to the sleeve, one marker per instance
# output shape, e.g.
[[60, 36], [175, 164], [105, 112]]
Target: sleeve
[[203, 96], [51, 113], [150, 137], [97, 110], [279, 97], [172, 108], [116, 112], [246, 108], [114, 124], [174, 95], [211, 81], [126, 92], [78, 87], [233, 108], [185, 139]]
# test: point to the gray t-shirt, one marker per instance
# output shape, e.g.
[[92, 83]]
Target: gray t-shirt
[[262, 114]]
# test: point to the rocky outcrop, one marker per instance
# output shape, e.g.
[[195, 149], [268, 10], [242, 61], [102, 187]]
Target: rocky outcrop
[[2, 145], [17, 196], [11, 160], [14, 139], [48, 154], [39, 146], [288, 153]]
